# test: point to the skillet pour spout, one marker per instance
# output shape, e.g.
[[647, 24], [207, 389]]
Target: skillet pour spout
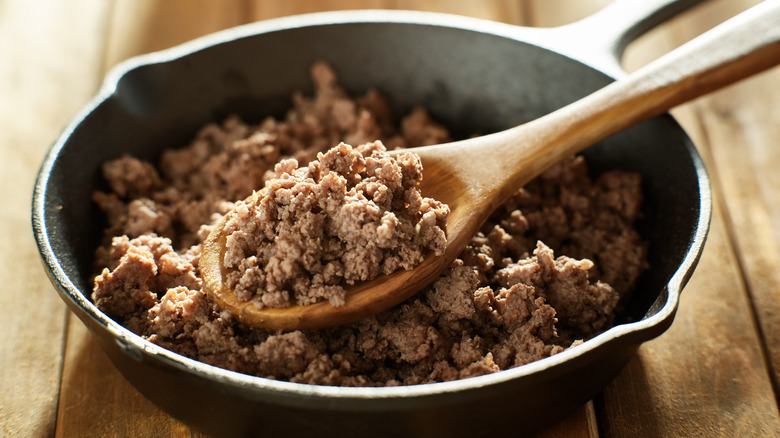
[[154, 101]]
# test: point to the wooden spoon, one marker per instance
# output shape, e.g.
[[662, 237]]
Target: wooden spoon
[[475, 176]]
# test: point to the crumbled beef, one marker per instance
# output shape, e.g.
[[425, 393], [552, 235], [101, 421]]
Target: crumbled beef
[[548, 270], [349, 216]]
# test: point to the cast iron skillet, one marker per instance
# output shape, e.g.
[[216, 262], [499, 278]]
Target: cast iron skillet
[[473, 75]]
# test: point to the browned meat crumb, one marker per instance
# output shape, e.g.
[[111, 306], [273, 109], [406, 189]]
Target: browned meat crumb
[[348, 216], [548, 270]]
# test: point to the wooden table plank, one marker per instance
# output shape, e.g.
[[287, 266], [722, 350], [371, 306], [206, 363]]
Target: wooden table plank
[[743, 124], [549, 13], [42, 45], [96, 399], [143, 26], [730, 393], [747, 160], [498, 10], [682, 383]]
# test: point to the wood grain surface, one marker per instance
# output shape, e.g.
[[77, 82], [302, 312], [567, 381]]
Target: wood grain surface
[[713, 373]]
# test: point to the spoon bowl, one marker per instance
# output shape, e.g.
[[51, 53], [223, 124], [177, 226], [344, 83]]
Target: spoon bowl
[[475, 176]]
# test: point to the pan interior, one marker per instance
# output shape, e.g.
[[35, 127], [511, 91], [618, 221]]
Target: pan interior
[[472, 82]]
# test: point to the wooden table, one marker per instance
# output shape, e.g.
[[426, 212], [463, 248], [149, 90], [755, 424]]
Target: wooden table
[[714, 373]]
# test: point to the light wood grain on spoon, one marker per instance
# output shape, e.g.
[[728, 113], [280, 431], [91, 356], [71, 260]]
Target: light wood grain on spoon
[[475, 176]]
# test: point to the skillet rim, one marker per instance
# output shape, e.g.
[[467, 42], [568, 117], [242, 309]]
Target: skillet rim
[[139, 349]]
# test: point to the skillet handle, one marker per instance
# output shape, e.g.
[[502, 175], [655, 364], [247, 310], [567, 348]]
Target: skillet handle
[[600, 39]]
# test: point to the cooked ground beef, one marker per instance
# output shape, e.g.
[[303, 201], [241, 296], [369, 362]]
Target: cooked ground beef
[[351, 215], [506, 301]]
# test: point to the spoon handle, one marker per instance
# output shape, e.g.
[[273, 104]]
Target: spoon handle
[[736, 49], [745, 45]]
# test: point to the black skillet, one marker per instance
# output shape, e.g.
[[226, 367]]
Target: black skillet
[[474, 76]]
